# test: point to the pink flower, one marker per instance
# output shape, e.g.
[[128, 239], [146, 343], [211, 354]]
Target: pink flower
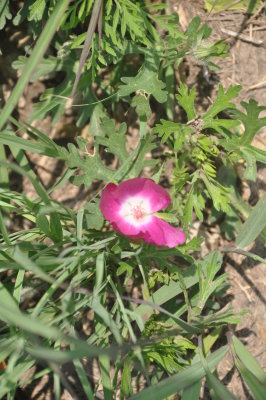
[[129, 207]]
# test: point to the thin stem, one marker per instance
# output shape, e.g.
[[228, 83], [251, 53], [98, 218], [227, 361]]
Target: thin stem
[[145, 290]]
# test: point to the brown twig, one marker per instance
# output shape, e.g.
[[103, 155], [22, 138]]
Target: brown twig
[[259, 28], [91, 29], [242, 37], [100, 25], [258, 85]]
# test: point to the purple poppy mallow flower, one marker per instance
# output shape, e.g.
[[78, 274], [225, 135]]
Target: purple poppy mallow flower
[[130, 208]]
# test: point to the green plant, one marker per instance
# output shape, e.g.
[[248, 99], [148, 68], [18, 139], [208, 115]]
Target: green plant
[[69, 261]]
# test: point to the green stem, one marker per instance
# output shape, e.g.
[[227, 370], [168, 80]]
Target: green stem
[[145, 290], [142, 128]]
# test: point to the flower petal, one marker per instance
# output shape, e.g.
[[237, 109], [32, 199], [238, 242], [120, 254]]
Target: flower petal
[[161, 233], [153, 230], [122, 226], [108, 204], [157, 196]]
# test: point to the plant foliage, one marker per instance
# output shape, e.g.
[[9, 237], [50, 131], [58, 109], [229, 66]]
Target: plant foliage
[[67, 279]]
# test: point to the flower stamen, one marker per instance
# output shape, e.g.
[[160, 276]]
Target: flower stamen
[[138, 212]]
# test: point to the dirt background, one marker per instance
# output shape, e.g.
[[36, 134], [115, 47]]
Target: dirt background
[[246, 65]]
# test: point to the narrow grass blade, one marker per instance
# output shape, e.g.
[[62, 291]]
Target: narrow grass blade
[[26, 263], [253, 226], [257, 387], [217, 389], [37, 186], [79, 223], [7, 346], [4, 180], [37, 54], [248, 360], [106, 380], [83, 379], [220, 391], [29, 145], [18, 285], [57, 386], [192, 392], [7, 299], [3, 230], [48, 294], [244, 253], [11, 378]]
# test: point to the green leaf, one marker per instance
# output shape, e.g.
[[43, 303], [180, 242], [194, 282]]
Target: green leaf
[[83, 378], [172, 131], [181, 380], [218, 193], [205, 50], [186, 100], [207, 269], [7, 299], [56, 228], [251, 167], [124, 267], [104, 362], [4, 13], [9, 139], [166, 217], [23, 13], [36, 10], [217, 390], [259, 154], [126, 385], [25, 262], [254, 225], [114, 140], [245, 253], [251, 120], [92, 167], [98, 121], [7, 346], [220, 391], [248, 360], [46, 66], [192, 392], [188, 210], [142, 105], [167, 292], [243, 5], [257, 387], [166, 128], [11, 376], [18, 285], [220, 125], [222, 101], [93, 215], [146, 81]]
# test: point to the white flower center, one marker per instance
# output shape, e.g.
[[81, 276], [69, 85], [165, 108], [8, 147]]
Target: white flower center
[[136, 211]]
